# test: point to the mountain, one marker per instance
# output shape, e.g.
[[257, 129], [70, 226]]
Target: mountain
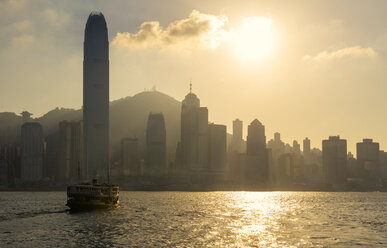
[[128, 118]]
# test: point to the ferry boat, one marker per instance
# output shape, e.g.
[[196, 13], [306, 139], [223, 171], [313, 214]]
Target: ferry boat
[[86, 196]]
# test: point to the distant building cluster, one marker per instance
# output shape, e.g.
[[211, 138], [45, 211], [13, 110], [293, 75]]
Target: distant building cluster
[[205, 157]]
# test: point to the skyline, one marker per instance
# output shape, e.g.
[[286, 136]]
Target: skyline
[[296, 95]]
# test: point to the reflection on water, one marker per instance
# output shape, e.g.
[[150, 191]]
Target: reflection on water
[[198, 219]]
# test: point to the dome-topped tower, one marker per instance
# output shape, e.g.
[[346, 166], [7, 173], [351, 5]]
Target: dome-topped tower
[[190, 101]]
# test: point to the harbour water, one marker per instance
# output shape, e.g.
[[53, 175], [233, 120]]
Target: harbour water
[[198, 219]]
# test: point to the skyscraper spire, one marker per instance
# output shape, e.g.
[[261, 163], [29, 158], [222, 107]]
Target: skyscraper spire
[[190, 86]]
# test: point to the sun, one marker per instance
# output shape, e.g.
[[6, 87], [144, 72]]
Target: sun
[[255, 38]]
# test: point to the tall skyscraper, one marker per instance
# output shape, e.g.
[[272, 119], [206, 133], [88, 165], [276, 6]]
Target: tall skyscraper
[[237, 136], [334, 158], [70, 150], [156, 146], [277, 146], [306, 151], [257, 155], [256, 139], [306, 146], [217, 147], [194, 135], [367, 153], [96, 97], [31, 152]]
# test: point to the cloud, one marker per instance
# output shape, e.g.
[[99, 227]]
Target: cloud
[[198, 30], [7, 5], [348, 52], [22, 41], [22, 26], [49, 15]]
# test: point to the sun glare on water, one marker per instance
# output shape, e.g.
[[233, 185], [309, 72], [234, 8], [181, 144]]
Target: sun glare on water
[[255, 38]]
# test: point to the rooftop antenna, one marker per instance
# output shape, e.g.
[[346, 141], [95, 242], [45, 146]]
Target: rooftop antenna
[[190, 86]]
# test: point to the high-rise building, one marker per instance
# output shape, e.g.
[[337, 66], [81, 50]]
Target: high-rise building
[[9, 165], [306, 145], [70, 150], [256, 171], [130, 161], [277, 148], [96, 97], [383, 164], [156, 146], [296, 147], [367, 153], [306, 150], [334, 159], [289, 168], [217, 147], [194, 135], [237, 136], [256, 139], [352, 170], [31, 152]]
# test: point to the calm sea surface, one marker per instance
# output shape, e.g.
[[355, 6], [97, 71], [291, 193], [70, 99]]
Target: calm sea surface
[[198, 219]]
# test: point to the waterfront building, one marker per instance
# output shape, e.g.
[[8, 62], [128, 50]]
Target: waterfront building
[[334, 159], [306, 151], [237, 136], [31, 152], [70, 151], [96, 98], [217, 147], [155, 161], [367, 153], [289, 168], [194, 135], [256, 171]]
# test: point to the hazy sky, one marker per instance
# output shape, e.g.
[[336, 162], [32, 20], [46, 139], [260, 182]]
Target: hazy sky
[[303, 68]]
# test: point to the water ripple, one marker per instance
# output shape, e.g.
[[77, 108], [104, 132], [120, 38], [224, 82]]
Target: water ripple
[[198, 219]]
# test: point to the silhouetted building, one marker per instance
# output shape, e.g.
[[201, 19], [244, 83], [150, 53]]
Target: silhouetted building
[[276, 145], [237, 136], [277, 149], [194, 135], [352, 168], [256, 171], [367, 153], [383, 164], [306, 146], [289, 168], [9, 165], [288, 148], [70, 150], [31, 152], [217, 147], [130, 161], [296, 147], [334, 159], [96, 97], [155, 162]]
